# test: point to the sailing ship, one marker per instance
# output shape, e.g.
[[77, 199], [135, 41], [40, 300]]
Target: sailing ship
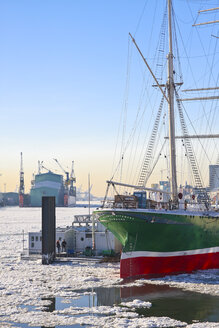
[[163, 235]]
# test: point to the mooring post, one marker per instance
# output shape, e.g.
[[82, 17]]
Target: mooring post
[[48, 230]]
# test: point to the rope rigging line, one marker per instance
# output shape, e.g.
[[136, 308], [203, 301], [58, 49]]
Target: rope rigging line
[[201, 43], [190, 155], [117, 193], [148, 154], [159, 153], [152, 27], [137, 127], [146, 171], [177, 48], [158, 63], [106, 194], [138, 121], [125, 101], [195, 132], [161, 48], [142, 13], [206, 118], [160, 52], [214, 112], [155, 163]]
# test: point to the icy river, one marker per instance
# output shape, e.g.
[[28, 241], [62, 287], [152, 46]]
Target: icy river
[[92, 294]]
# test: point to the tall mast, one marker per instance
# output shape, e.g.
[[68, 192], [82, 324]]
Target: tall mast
[[170, 87]]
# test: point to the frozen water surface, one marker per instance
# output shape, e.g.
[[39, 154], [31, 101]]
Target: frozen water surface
[[89, 294]]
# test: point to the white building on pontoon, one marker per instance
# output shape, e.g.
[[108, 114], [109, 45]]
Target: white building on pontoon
[[79, 238]]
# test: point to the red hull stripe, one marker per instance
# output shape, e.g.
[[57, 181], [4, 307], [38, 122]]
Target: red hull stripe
[[135, 254], [143, 266]]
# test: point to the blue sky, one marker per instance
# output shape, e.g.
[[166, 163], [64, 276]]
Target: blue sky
[[62, 80]]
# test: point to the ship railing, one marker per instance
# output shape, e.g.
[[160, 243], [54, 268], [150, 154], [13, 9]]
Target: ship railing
[[113, 204], [83, 218], [200, 207], [151, 204]]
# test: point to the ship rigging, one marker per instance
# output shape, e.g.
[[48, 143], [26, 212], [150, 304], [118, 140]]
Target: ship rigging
[[164, 236]]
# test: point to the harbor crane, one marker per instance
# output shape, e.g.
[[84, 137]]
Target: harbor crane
[[21, 188], [41, 166], [72, 178], [45, 168], [67, 180]]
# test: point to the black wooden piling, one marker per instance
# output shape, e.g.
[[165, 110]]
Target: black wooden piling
[[48, 230]]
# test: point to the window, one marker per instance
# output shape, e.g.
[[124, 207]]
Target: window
[[82, 238], [32, 238], [36, 238], [32, 245], [88, 235]]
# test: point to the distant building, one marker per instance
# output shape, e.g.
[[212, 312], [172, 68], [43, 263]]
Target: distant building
[[1, 199], [155, 185], [213, 177], [165, 185], [188, 189], [11, 199], [214, 195]]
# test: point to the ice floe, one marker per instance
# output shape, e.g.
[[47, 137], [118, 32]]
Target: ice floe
[[205, 282], [137, 304], [28, 288], [204, 325]]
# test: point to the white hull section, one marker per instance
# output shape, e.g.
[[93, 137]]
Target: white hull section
[[129, 255]]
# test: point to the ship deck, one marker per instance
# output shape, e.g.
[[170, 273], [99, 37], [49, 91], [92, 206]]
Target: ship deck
[[214, 214]]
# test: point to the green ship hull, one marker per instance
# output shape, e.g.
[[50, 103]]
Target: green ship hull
[[163, 242]]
